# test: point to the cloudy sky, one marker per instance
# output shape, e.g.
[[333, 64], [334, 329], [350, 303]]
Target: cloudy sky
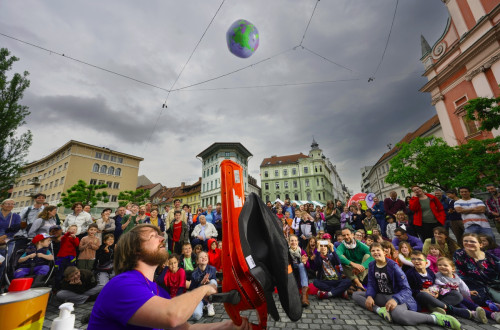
[[352, 119]]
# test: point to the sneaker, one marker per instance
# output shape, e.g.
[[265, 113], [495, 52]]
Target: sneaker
[[210, 310], [497, 317], [480, 316], [438, 310], [446, 321], [345, 295], [383, 313], [322, 295]]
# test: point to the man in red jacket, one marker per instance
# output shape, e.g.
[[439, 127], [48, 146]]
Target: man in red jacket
[[428, 213]]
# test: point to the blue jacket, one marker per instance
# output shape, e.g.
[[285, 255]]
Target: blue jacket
[[379, 212], [415, 242], [198, 275], [415, 280], [400, 287]]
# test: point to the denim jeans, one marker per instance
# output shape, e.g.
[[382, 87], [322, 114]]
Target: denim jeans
[[480, 230], [304, 280], [198, 311]]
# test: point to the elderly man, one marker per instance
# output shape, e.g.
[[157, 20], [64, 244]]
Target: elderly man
[[203, 232], [393, 204], [355, 257], [402, 236], [132, 300]]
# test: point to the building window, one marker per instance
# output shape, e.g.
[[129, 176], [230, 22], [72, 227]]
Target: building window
[[321, 169], [98, 155], [322, 182], [110, 184], [267, 198], [308, 196], [295, 183], [319, 196], [50, 186], [387, 167], [62, 180], [118, 171], [203, 173], [52, 197], [276, 173], [104, 169], [307, 183], [93, 181], [216, 168], [227, 154], [66, 165], [266, 185], [95, 168], [101, 182], [285, 184], [14, 195], [46, 186], [403, 193], [105, 157], [277, 185], [116, 185], [317, 182], [113, 158], [266, 174], [120, 160], [316, 169], [296, 197], [285, 172], [50, 173], [211, 171], [470, 126], [22, 203], [294, 171], [111, 170], [44, 175], [59, 195], [211, 185], [278, 196], [56, 183], [114, 198], [306, 170]]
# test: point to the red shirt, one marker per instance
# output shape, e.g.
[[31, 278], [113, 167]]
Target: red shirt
[[177, 231], [68, 246], [175, 281]]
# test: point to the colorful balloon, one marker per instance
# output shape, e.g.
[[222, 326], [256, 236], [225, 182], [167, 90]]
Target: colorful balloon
[[242, 38], [369, 199]]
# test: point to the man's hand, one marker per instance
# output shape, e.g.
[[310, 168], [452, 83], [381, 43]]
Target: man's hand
[[369, 303], [3, 238], [211, 289], [474, 293], [358, 267], [391, 304]]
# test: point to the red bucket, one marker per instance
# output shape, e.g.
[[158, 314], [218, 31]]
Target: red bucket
[[20, 284]]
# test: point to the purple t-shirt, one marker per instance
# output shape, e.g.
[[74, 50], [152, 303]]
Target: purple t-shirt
[[120, 298]]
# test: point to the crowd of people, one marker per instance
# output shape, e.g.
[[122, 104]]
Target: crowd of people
[[395, 258]]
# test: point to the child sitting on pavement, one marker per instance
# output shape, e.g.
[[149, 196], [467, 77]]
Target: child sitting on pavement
[[202, 275]]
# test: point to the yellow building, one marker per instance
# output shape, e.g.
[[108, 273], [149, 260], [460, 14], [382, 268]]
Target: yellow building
[[57, 172], [190, 195]]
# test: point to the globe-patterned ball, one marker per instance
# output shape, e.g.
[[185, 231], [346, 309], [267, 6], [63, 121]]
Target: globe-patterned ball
[[242, 38]]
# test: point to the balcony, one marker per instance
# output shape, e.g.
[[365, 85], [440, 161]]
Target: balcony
[[31, 192], [34, 181]]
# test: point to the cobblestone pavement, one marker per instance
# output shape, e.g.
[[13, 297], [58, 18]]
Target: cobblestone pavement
[[322, 314]]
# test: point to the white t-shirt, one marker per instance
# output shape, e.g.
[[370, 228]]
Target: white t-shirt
[[473, 218]]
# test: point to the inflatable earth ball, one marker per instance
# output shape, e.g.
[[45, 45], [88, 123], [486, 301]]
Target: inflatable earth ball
[[242, 38]]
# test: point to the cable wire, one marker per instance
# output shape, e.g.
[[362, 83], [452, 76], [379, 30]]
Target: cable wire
[[85, 63], [307, 27], [387, 42], [326, 59], [270, 85]]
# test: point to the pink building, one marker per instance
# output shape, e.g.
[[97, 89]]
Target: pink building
[[464, 64]]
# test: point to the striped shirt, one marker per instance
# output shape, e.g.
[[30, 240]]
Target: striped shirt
[[470, 219]]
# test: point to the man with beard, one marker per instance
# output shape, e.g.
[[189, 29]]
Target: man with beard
[[355, 258], [132, 300], [493, 204]]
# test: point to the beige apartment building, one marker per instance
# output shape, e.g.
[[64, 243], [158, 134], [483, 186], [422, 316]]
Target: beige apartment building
[[57, 172]]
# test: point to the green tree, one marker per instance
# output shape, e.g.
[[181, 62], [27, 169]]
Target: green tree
[[138, 196], [84, 193], [484, 110], [431, 163], [12, 115]]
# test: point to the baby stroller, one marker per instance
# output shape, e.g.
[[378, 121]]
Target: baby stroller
[[12, 263]]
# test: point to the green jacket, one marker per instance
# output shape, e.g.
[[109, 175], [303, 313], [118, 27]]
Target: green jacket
[[354, 255]]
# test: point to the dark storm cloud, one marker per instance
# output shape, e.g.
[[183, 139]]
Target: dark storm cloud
[[353, 121], [85, 114]]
